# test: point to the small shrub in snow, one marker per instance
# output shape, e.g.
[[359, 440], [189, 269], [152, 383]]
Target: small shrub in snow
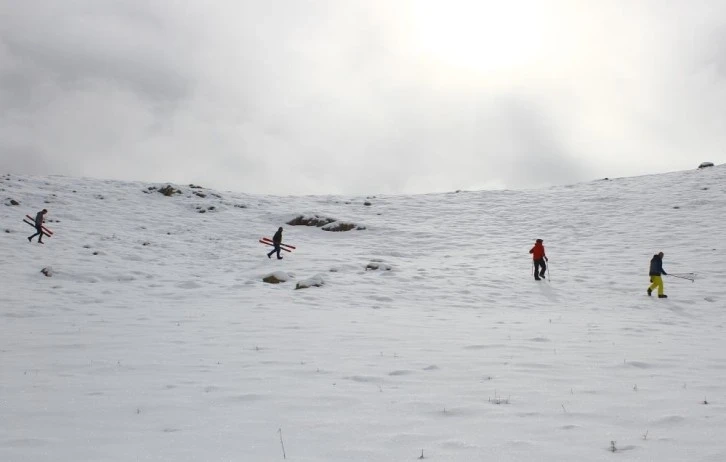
[[705, 164], [367, 204], [200, 194], [315, 281], [276, 277], [499, 400], [10, 202], [47, 271]]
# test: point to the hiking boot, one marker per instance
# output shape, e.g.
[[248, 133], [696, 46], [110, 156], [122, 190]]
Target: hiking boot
[[663, 296], [30, 239], [537, 279], [650, 291], [269, 255], [279, 258]]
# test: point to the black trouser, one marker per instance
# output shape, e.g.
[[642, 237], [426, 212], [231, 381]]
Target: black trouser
[[276, 249], [539, 263], [39, 233]]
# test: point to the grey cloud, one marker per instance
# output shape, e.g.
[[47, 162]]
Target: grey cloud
[[76, 45], [330, 97]]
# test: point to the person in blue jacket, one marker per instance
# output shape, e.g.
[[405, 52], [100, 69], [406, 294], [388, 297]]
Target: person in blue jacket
[[656, 270]]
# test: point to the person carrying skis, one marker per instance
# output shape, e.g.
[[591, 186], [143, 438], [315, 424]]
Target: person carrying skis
[[276, 241], [539, 258], [656, 269], [39, 219]]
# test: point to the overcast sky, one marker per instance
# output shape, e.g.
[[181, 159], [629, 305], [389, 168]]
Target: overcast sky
[[361, 96]]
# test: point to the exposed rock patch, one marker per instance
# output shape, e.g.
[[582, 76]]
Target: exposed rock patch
[[339, 226], [315, 220], [326, 223], [202, 209], [167, 190], [377, 265], [276, 277]]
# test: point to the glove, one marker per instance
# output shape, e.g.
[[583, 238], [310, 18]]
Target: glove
[[547, 259]]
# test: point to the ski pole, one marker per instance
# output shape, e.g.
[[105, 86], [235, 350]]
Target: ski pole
[[548, 270], [683, 277]]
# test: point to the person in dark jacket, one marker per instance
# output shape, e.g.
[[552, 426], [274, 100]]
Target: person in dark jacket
[[276, 241], [39, 219], [656, 269], [539, 258]]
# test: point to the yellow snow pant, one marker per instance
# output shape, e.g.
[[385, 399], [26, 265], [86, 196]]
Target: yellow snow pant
[[657, 281]]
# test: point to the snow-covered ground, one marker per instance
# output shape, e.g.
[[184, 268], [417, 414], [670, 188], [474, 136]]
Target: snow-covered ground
[[156, 338]]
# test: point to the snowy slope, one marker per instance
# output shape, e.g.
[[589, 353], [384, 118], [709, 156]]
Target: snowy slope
[[156, 339]]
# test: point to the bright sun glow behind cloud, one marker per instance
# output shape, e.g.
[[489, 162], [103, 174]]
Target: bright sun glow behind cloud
[[481, 36], [361, 96]]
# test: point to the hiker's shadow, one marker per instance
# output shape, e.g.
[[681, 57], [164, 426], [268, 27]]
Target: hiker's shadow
[[546, 290]]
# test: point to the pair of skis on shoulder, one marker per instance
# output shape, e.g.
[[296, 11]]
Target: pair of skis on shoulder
[[31, 221], [285, 247]]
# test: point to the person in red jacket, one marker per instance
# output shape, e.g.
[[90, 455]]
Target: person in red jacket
[[539, 257]]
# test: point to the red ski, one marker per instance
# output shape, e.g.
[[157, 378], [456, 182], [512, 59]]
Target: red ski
[[271, 245], [267, 239], [30, 221]]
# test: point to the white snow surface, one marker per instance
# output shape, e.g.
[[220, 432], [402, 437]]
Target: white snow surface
[[155, 339]]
